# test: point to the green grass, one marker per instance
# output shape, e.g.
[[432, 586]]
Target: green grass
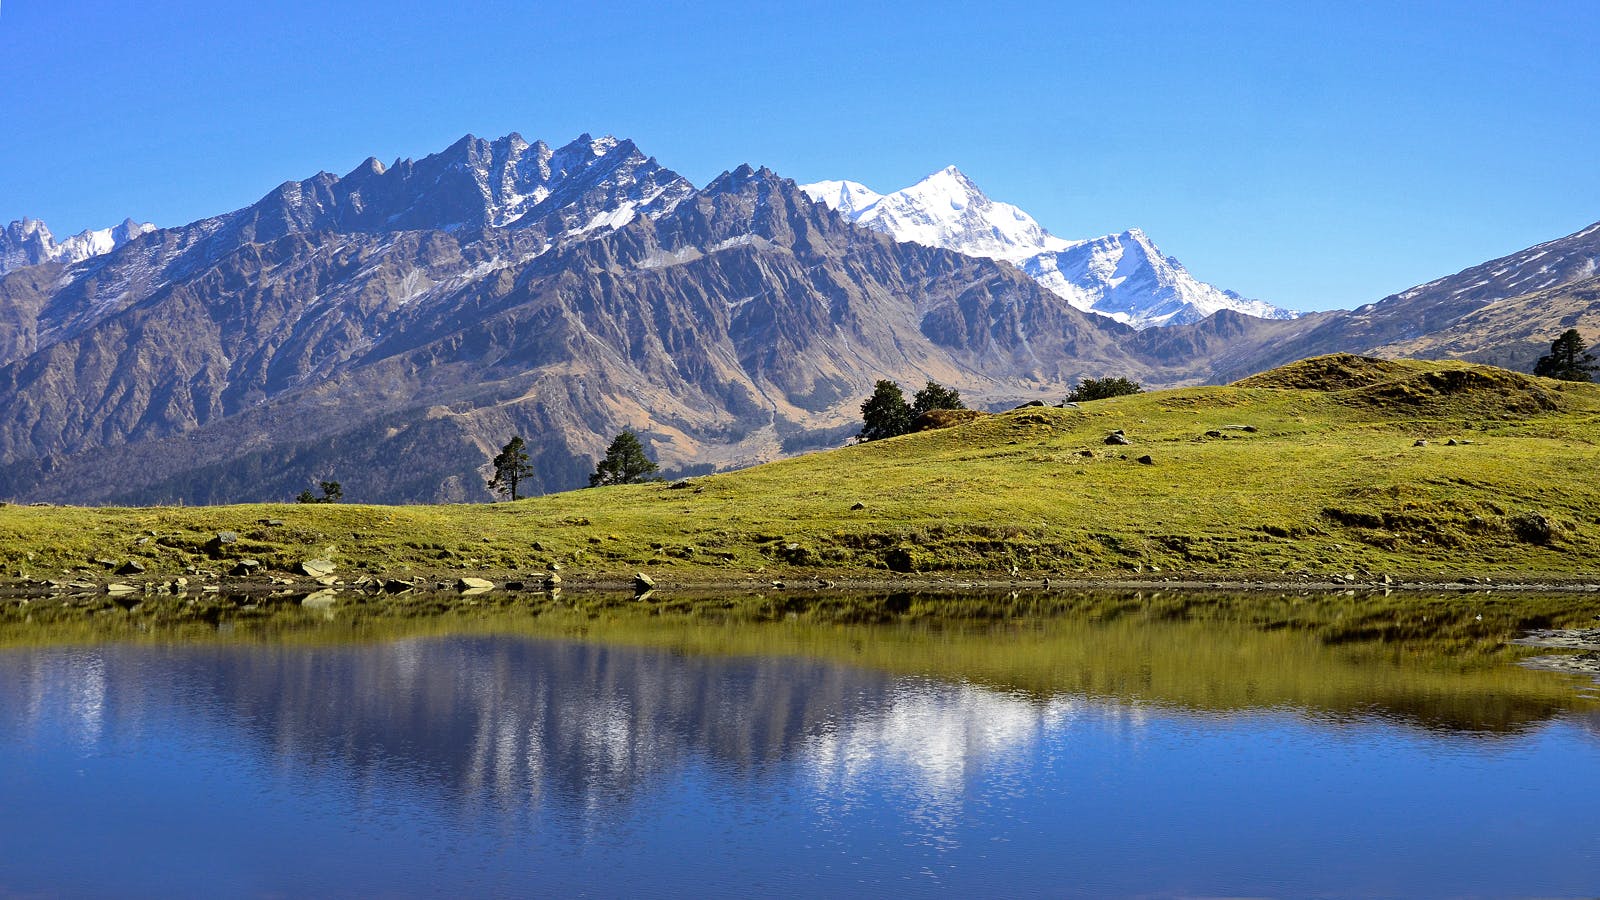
[[1328, 484]]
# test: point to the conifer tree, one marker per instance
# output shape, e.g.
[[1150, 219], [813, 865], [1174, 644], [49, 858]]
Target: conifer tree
[[1568, 359], [510, 468], [625, 462]]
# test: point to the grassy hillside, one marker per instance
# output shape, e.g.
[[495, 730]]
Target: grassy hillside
[[1309, 471]]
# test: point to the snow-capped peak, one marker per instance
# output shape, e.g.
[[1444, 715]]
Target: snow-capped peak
[[847, 197], [946, 209], [1123, 276], [28, 242]]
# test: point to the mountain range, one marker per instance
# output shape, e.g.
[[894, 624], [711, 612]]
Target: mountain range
[[28, 242], [1121, 276], [392, 327]]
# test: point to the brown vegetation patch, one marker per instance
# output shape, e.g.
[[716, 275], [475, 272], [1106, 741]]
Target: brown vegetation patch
[[1334, 372], [1480, 390], [946, 418]]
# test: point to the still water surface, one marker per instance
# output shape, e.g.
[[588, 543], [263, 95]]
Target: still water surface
[[515, 764]]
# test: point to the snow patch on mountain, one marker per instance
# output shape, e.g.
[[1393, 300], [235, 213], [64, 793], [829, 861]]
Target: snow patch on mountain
[[1121, 276], [28, 242]]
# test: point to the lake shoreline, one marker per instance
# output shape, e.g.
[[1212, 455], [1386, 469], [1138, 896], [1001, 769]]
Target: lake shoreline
[[462, 583]]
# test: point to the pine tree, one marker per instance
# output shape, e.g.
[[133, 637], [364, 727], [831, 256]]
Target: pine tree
[[625, 462], [510, 468], [935, 396], [1568, 359], [885, 414]]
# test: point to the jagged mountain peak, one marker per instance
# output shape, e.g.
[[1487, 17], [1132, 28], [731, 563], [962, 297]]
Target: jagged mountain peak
[[477, 183], [846, 197], [29, 242], [1124, 276], [945, 209]]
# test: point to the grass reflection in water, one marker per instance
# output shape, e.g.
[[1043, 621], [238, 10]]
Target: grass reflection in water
[[1435, 661]]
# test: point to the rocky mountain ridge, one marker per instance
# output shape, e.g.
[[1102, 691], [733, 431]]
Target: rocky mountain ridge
[[28, 242]]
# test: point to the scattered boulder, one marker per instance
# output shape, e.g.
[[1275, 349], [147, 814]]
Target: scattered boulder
[[1419, 442], [858, 505], [1214, 433], [119, 588], [396, 586], [1086, 453], [315, 568], [552, 582], [245, 567], [680, 484], [1030, 403], [222, 539], [1147, 460], [1117, 438], [468, 583], [131, 567], [104, 563], [643, 583]]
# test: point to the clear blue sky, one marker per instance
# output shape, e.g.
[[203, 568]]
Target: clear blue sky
[[1315, 155]]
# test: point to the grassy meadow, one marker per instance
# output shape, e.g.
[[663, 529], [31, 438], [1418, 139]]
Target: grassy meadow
[[1314, 471]]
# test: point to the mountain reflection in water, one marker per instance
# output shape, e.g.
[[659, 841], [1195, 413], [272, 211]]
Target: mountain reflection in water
[[503, 762], [506, 719]]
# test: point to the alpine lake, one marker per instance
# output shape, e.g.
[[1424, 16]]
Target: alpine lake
[[1334, 743]]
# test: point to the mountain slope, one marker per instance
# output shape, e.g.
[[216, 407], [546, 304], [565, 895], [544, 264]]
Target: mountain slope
[[1505, 311], [1122, 276]]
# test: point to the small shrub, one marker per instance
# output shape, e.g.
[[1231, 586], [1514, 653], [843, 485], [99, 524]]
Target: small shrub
[[1531, 528]]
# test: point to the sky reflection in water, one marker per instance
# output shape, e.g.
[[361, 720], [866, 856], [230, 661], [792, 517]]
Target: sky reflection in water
[[513, 764]]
